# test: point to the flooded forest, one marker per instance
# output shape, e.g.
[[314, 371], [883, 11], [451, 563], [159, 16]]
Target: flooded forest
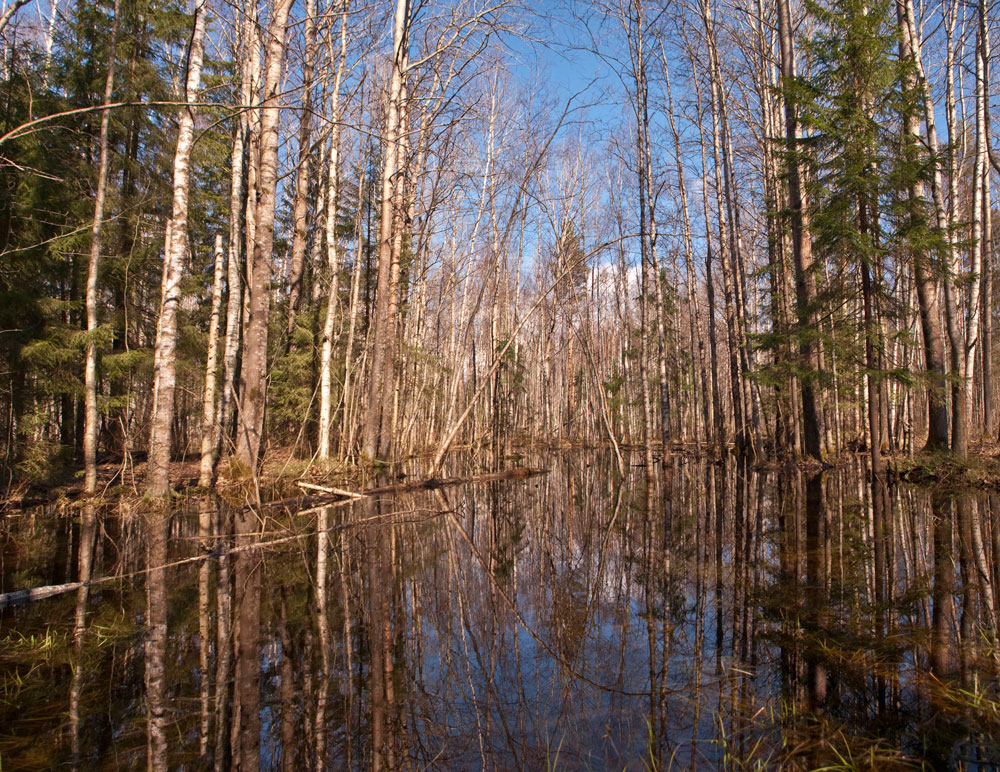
[[479, 384]]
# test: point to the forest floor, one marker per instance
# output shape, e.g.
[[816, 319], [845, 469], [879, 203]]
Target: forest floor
[[941, 471], [124, 477]]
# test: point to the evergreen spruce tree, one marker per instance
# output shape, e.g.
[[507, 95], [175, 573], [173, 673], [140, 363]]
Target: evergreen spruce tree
[[852, 105]]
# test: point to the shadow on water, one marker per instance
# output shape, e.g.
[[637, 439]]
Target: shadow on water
[[706, 617]]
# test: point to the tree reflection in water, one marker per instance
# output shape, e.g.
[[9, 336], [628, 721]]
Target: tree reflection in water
[[705, 616]]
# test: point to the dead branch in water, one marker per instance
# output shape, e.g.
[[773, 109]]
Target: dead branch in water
[[331, 495]]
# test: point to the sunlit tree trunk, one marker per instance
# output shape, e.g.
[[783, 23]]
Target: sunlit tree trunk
[[652, 286], [174, 259], [91, 415], [688, 244], [300, 205], [959, 420], [210, 414], [989, 409], [234, 276], [726, 241], [976, 246], [986, 234], [347, 394], [718, 416], [927, 292], [333, 260], [382, 374], [745, 412], [253, 377], [50, 36], [775, 198], [635, 35]]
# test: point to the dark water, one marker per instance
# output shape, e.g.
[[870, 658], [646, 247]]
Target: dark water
[[720, 617]]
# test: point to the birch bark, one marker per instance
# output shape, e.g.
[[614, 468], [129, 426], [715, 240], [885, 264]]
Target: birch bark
[[253, 378], [174, 255], [91, 416], [210, 415], [382, 371], [333, 259]]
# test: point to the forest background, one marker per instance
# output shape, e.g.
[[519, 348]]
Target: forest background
[[347, 232]]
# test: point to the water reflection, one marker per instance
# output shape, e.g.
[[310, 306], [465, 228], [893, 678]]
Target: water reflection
[[707, 616]]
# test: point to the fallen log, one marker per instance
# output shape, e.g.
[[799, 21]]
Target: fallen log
[[37, 593], [335, 497], [325, 489], [330, 495]]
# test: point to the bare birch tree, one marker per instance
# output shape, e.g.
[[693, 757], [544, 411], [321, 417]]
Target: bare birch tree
[[174, 258], [253, 376]]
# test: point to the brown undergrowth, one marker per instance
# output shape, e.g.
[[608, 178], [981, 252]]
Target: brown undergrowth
[[947, 474], [124, 477]]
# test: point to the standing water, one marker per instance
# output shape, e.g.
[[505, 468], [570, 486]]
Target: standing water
[[715, 617]]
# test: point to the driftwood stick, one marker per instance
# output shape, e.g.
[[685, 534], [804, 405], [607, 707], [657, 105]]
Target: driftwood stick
[[328, 489], [331, 495]]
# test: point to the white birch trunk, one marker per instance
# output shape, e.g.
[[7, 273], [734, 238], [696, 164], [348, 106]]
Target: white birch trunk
[[210, 416], [332, 257], [91, 416], [175, 250], [253, 379]]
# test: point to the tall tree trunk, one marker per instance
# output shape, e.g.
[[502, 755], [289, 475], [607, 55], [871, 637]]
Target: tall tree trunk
[[253, 378], [775, 200], [689, 271], [726, 240], [976, 247], [659, 302], [210, 414], [927, 292], [91, 416], [989, 409], [50, 36], [174, 254], [350, 433], [872, 359], [333, 262], [986, 235], [959, 422], [382, 370], [805, 282], [734, 281], [237, 200], [652, 287], [637, 53], [300, 206], [390, 386], [718, 418], [253, 34]]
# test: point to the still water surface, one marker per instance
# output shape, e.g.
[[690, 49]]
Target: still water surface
[[716, 617]]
